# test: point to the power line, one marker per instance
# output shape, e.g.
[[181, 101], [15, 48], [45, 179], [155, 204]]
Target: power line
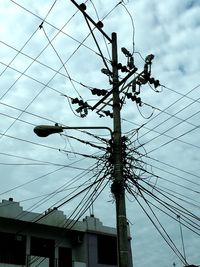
[[59, 30], [174, 249], [194, 88], [162, 134]]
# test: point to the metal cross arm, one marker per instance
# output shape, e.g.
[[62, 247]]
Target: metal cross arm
[[119, 84], [91, 20]]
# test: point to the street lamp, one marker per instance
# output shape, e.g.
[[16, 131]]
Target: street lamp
[[46, 130], [118, 183]]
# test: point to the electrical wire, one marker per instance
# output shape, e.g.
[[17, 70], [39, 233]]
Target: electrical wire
[[172, 193], [174, 139], [189, 105], [174, 249], [175, 208], [40, 63], [179, 93], [84, 142], [63, 64], [162, 134], [172, 182], [92, 2], [53, 26], [175, 168], [45, 175], [171, 173], [18, 52], [133, 26], [95, 40], [49, 147], [172, 127], [58, 190]]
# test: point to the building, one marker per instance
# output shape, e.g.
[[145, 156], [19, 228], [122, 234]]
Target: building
[[51, 240]]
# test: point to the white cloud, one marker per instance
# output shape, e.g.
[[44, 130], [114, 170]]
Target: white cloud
[[167, 29]]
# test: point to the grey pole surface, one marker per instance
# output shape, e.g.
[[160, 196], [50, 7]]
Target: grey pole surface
[[118, 184]]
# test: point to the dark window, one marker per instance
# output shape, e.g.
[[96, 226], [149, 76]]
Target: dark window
[[44, 248], [107, 249], [65, 257], [12, 249]]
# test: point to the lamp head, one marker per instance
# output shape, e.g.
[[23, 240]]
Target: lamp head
[[45, 130]]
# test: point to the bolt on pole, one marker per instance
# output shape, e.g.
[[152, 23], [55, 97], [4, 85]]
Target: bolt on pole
[[118, 188]]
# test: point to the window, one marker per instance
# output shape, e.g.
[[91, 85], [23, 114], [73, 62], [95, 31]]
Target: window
[[64, 257], [107, 249], [44, 248], [12, 248]]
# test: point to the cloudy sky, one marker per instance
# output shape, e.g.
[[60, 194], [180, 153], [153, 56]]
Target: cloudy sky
[[48, 58]]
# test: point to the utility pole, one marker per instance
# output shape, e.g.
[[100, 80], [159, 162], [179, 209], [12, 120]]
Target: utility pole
[[118, 185]]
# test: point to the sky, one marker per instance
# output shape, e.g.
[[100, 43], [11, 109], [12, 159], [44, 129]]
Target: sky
[[50, 56]]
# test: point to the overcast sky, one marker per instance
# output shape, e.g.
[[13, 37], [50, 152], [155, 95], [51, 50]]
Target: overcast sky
[[48, 58]]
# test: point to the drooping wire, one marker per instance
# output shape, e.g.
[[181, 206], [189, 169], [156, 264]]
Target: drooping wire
[[60, 189], [111, 10], [174, 139], [44, 175], [84, 142], [194, 88], [63, 64], [18, 52], [174, 209], [133, 27], [181, 232], [92, 2], [171, 245], [53, 26], [102, 56]]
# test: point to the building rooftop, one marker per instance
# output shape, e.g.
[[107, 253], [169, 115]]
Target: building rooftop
[[11, 209]]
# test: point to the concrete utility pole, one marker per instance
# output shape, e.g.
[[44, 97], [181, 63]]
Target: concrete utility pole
[[117, 188], [144, 77], [118, 184]]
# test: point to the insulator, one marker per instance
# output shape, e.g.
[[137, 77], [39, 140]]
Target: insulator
[[133, 98], [75, 100], [131, 63], [81, 103], [149, 58], [108, 113], [133, 87], [156, 83], [138, 100], [123, 138], [119, 66], [142, 80], [126, 52], [124, 69], [100, 24], [116, 188], [106, 71], [79, 110], [103, 92], [94, 91], [128, 95], [98, 92], [151, 80], [86, 105], [138, 82], [83, 6]]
